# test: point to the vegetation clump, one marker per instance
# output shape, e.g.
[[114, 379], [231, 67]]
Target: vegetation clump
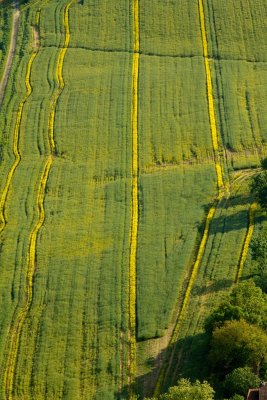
[[185, 390]]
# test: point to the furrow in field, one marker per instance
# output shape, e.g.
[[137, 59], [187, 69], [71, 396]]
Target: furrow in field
[[165, 371], [134, 200], [17, 325], [16, 150]]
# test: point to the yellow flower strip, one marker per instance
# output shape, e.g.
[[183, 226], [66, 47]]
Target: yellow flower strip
[[186, 299], [17, 325], [213, 127], [60, 80], [16, 150], [247, 240], [221, 187], [134, 199]]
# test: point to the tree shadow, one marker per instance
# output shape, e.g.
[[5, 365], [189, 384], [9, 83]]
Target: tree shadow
[[212, 287], [236, 200], [189, 361], [225, 223]]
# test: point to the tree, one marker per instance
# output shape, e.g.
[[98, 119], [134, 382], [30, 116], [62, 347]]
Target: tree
[[264, 163], [237, 344], [237, 397], [185, 390], [246, 301], [258, 188], [261, 281], [240, 380], [252, 301], [258, 247], [225, 312]]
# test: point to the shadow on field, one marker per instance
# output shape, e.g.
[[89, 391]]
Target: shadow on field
[[237, 200], [212, 287], [189, 361], [229, 223]]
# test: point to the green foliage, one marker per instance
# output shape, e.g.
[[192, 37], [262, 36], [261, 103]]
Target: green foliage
[[259, 188], [237, 344], [237, 397], [259, 251], [185, 390], [261, 281], [252, 301], [264, 163], [246, 301], [240, 380], [225, 312]]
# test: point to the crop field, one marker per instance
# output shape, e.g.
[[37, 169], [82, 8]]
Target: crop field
[[129, 133], [5, 26]]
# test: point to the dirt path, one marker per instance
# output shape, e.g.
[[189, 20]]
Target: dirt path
[[11, 52]]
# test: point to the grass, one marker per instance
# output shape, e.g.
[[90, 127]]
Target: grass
[[100, 263], [116, 145], [217, 273], [5, 30]]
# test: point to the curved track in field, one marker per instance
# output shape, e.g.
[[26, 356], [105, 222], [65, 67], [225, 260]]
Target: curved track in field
[[134, 199], [19, 320], [221, 187], [16, 150], [11, 51]]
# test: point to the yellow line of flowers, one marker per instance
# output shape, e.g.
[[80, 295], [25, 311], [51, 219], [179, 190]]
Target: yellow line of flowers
[[211, 213], [134, 199], [214, 133], [247, 240], [16, 328], [16, 150]]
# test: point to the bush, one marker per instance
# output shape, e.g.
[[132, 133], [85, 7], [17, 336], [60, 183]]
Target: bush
[[240, 380]]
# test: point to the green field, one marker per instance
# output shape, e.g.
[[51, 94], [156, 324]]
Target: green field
[[66, 306]]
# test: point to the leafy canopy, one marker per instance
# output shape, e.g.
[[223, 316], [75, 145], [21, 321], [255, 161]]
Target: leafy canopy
[[240, 380], [246, 301], [185, 390], [237, 344], [258, 247], [258, 188]]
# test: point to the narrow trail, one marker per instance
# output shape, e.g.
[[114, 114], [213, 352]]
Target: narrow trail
[[17, 325], [221, 187], [134, 200], [11, 51]]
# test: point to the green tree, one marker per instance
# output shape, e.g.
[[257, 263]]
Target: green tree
[[264, 163], [261, 281], [258, 188], [237, 397], [225, 312], [185, 390], [246, 301], [240, 380], [258, 247], [237, 344], [252, 301]]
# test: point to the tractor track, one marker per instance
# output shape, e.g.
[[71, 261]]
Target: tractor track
[[134, 201], [16, 136], [19, 319], [221, 191]]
